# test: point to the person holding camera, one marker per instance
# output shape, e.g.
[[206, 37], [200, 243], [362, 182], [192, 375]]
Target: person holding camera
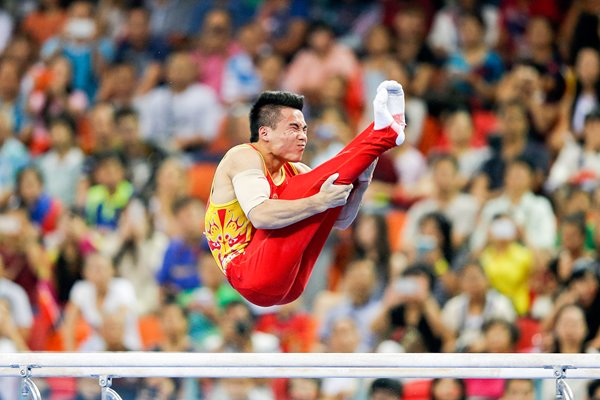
[[410, 315]]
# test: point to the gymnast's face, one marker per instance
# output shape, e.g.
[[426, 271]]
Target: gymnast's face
[[288, 139]]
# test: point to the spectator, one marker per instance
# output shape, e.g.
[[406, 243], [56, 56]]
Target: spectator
[[104, 134], [238, 335], [577, 160], [62, 166], [53, 97], [448, 389], [215, 47], [466, 313], [511, 143], [507, 263], [107, 199], [15, 312], [83, 45], [294, 327], [322, 59], [42, 210], [240, 388], [587, 90], [572, 238], [184, 116], [142, 158], [385, 389], [241, 81], [532, 214], [519, 389], [370, 242], [459, 208], [45, 22], [170, 185], [142, 50], [359, 303], [96, 297], [286, 25], [170, 19], [179, 269], [13, 157], [11, 341], [6, 24], [12, 101], [410, 315], [118, 86], [137, 249], [304, 389], [593, 390]]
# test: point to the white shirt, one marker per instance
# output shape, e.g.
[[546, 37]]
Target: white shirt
[[61, 175], [18, 301], [120, 294], [165, 115], [533, 213], [571, 160]]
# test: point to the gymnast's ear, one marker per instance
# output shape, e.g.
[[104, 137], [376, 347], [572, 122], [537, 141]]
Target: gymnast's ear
[[264, 133]]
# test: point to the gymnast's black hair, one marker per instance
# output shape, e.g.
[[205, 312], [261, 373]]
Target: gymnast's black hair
[[266, 110]]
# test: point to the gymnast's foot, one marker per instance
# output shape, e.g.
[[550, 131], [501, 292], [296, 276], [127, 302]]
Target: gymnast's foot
[[388, 107]]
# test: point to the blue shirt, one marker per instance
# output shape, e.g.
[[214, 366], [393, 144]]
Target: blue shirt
[[13, 157], [179, 270]]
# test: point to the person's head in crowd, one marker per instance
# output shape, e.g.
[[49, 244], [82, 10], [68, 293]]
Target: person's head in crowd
[[10, 79], [216, 31], [138, 27], [500, 336], [472, 280], [123, 83], [593, 390], [344, 336], [459, 128], [62, 133], [80, 28], [576, 200], [445, 174], [421, 276], [518, 177], [237, 388], [22, 49], [539, 33], [304, 389], [250, 37], [434, 240], [570, 329], [171, 178], [102, 121], [360, 281], [471, 29], [321, 37], [587, 67], [410, 22], [98, 270], [448, 389], [109, 170], [591, 131], [513, 121], [181, 71], [271, 68], [237, 326], [585, 281], [112, 331], [573, 233], [61, 74], [30, 186], [174, 322], [518, 389], [385, 389], [502, 231], [378, 41], [5, 128], [333, 92], [370, 239], [188, 212], [210, 274], [128, 126]]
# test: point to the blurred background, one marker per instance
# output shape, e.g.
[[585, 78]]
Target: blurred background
[[480, 234]]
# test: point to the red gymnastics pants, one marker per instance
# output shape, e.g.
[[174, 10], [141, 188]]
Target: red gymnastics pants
[[276, 265]]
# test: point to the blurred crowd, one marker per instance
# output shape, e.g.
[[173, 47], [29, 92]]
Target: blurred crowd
[[480, 234]]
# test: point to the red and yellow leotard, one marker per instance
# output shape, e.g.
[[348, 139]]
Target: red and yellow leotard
[[227, 228]]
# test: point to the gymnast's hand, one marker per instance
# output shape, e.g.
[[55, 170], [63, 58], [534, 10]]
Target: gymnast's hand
[[333, 195]]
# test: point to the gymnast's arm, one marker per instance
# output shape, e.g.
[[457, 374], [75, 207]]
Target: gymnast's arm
[[252, 191]]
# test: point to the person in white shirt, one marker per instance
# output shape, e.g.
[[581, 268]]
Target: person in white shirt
[[533, 214], [101, 294], [183, 116], [575, 159]]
